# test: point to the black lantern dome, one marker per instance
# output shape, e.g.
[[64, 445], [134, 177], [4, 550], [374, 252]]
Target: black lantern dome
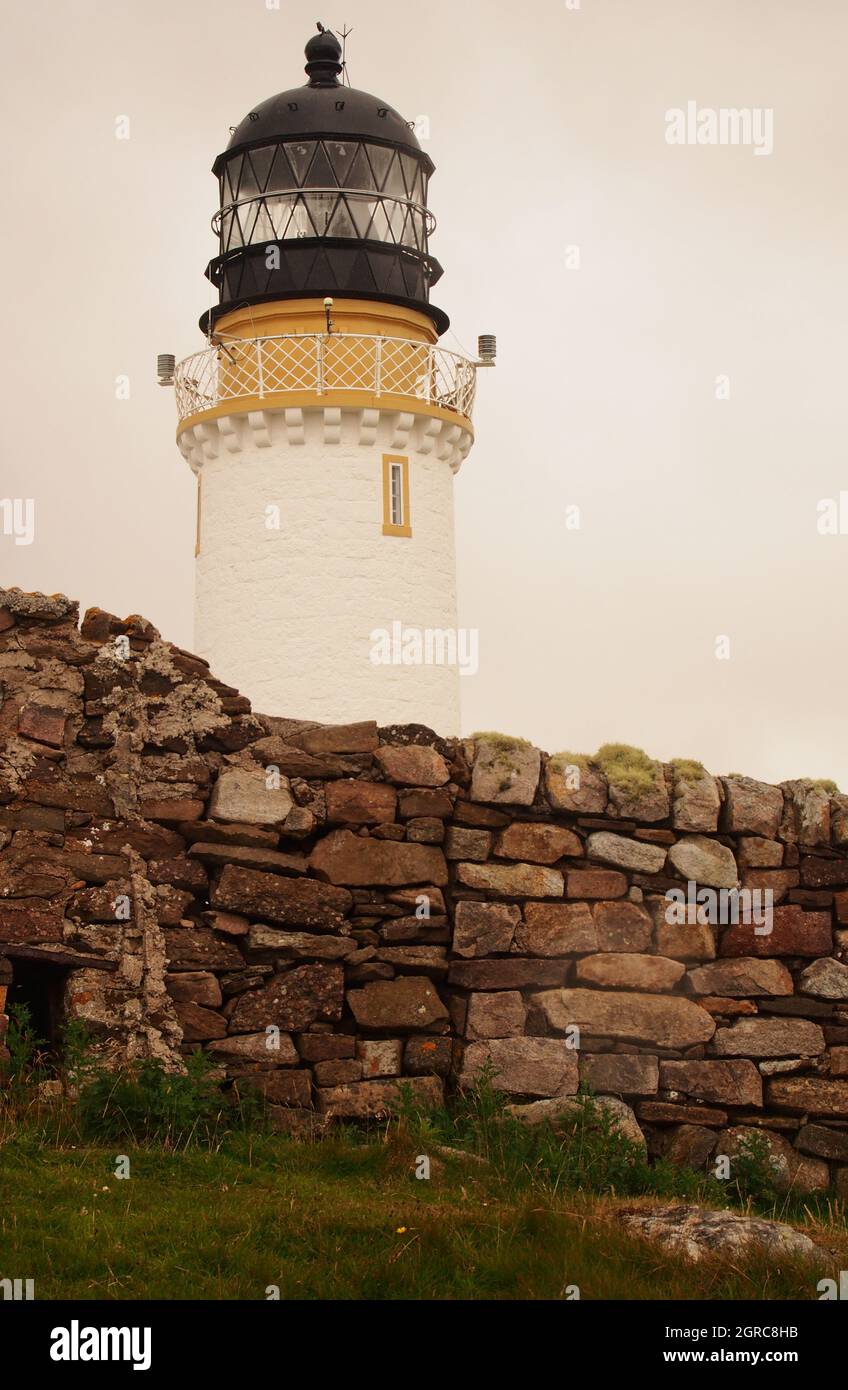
[[323, 191]]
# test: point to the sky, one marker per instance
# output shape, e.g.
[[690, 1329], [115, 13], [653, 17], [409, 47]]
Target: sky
[[640, 522]]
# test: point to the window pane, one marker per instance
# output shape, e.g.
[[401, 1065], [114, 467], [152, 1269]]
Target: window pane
[[397, 495]]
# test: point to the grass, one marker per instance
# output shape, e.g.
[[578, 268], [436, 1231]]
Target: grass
[[336, 1219], [558, 762], [629, 770], [502, 743], [508, 1211], [688, 769]]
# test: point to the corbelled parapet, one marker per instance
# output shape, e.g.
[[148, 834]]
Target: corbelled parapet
[[329, 909]]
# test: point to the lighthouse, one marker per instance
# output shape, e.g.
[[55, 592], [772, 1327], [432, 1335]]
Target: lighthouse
[[324, 420]]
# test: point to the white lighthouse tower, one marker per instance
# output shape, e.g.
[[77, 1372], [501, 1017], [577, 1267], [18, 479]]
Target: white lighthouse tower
[[323, 420]]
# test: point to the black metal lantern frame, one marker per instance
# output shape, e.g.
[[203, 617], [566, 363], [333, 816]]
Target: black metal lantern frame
[[346, 216]]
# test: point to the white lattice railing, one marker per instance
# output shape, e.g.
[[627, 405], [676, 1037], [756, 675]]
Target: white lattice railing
[[322, 362]]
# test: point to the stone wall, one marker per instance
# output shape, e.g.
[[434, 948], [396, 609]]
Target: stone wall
[[326, 909]]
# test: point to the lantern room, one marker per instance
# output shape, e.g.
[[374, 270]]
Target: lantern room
[[323, 192]]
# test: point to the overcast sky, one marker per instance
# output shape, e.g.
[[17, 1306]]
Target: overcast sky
[[671, 324]]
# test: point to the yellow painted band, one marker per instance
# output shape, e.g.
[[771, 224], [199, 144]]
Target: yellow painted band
[[282, 317]]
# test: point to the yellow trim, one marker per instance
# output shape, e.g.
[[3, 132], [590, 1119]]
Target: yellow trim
[[389, 529], [311, 400], [286, 316]]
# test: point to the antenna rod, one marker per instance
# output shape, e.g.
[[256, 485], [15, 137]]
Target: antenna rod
[[345, 33]]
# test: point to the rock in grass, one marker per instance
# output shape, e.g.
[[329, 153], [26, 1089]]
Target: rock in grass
[[696, 1232]]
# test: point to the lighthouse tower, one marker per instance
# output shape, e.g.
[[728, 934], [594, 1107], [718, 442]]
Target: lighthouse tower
[[323, 420]]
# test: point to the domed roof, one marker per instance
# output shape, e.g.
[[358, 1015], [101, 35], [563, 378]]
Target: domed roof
[[323, 107]]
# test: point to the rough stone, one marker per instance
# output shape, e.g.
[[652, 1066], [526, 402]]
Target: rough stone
[[246, 856], [741, 977], [360, 737], [344, 858], [623, 853], [499, 1015], [408, 1002], [377, 1099], [325, 1047], [704, 861], [769, 1037], [197, 948], [337, 1071], [425, 830], [794, 933], [808, 812], [537, 843], [664, 1020], [523, 1066], [596, 883], [564, 1112], [427, 1056], [508, 880], [484, 929], [243, 794], [824, 873], [650, 805], [199, 1024], [289, 902], [757, 853], [290, 1087], [379, 1057], [688, 1146], [413, 765], [360, 803], [505, 771], [722, 1083], [512, 973], [823, 1142], [698, 1233], [809, 1094], [824, 979], [686, 941], [556, 929], [269, 1049], [790, 1170], [291, 1001], [754, 808], [696, 802], [622, 926], [424, 801], [195, 987], [588, 798], [473, 845], [293, 945], [618, 1074], [651, 974], [43, 718]]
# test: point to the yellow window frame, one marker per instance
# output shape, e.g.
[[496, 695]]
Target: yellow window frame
[[391, 528]]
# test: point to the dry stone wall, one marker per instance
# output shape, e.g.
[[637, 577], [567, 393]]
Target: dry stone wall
[[326, 910]]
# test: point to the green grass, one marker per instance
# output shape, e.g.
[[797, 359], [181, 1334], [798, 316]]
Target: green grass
[[343, 1218], [216, 1206], [628, 769], [688, 769]]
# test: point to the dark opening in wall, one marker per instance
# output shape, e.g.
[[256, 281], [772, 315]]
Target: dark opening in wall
[[40, 986]]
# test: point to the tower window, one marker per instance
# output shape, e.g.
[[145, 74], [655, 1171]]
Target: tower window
[[396, 518]]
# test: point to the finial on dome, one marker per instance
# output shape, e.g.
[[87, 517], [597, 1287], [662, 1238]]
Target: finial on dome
[[323, 58]]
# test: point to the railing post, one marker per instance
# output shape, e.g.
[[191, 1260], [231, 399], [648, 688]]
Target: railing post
[[319, 348], [260, 368], [378, 368]]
